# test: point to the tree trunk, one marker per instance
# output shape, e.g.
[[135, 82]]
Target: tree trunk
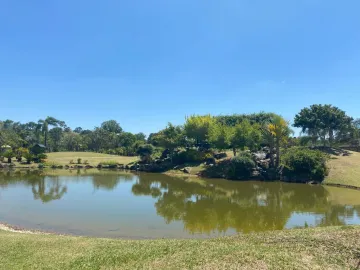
[[45, 139], [234, 151], [277, 153], [331, 136], [9, 160]]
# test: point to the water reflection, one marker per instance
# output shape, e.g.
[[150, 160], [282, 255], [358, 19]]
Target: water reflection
[[203, 207], [217, 205]]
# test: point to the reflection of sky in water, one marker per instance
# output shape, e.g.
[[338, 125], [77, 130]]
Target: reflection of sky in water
[[156, 206], [311, 220]]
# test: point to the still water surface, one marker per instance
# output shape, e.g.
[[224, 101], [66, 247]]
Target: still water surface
[[115, 204]]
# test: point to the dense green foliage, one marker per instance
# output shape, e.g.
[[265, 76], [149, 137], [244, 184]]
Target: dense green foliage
[[324, 122], [303, 164], [145, 151], [56, 136]]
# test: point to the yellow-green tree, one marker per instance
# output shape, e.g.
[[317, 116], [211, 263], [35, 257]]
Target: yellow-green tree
[[245, 135], [221, 136], [197, 128], [275, 134]]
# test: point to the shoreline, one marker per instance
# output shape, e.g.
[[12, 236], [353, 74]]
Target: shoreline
[[166, 173]]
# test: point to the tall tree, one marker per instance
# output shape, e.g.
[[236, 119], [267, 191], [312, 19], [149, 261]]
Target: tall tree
[[43, 125], [111, 126], [325, 121]]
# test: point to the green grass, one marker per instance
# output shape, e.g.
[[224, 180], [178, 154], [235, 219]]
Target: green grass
[[320, 248], [63, 158], [344, 170]]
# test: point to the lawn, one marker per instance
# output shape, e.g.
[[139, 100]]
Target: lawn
[[344, 170], [320, 248], [63, 158]]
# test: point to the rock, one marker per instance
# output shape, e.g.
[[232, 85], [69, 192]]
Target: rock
[[265, 164], [89, 167], [1, 166], [259, 156], [220, 155], [186, 170]]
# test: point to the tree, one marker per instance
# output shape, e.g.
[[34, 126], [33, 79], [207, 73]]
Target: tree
[[170, 138], [197, 128], [55, 136], [140, 137], [246, 135], [43, 126], [276, 134], [324, 121], [9, 154], [221, 136], [111, 126], [78, 130]]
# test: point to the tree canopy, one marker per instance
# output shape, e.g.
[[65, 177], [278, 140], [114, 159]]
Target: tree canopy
[[323, 121]]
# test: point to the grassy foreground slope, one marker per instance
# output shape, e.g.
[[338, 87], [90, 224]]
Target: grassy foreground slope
[[63, 158], [344, 170], [320, 248]]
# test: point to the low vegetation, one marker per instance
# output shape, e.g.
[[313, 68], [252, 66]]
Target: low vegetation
[[320, 248]]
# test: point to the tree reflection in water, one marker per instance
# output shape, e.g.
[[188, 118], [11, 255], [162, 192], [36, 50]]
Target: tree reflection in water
[[206, 206]]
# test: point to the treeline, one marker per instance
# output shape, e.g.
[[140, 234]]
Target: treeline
[[320, 124], [56, 136]]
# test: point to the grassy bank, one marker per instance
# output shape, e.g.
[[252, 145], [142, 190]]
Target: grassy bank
[[63, 158], [344, 170], [320, 248]]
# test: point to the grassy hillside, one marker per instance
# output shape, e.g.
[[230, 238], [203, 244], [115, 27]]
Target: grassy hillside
[[344, 170], [63, 158], [320, 248]]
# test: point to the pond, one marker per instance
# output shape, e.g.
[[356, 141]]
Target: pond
[[118, 204]]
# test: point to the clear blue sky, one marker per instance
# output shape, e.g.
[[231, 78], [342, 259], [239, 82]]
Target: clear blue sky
[[145, 63]]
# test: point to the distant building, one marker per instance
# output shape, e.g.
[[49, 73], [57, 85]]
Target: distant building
[[38, 149]]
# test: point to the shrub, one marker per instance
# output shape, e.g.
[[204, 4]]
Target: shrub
[[303, 164], [220, 155], [71, 161], [108, 163], [240, 167], [145, 151], [86, 162], [41, 166], [40, 158], [29, 157], [79, 161], [189, 156]]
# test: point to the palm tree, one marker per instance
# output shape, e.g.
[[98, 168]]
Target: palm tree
[[43, 127], [276, 133]]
